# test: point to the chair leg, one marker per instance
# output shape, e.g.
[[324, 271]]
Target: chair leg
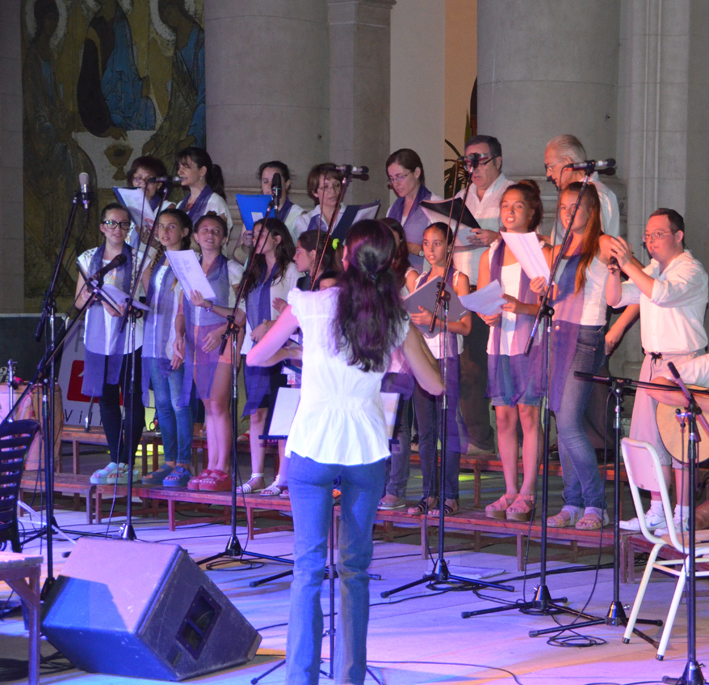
[[641, 593], [672, 613]]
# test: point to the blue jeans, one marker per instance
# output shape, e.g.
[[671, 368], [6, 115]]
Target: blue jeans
[[583, 486], [175, 422], [311, 485]]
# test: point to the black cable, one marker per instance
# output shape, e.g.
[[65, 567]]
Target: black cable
[[452, 663]]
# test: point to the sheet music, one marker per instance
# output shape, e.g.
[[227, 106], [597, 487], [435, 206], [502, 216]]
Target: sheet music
[[189, 273], [486, 301], [526, 248], [119, 297], [132, 198]]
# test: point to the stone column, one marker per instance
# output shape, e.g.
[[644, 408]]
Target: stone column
[[12, 274], [267, 66], [360, 45]]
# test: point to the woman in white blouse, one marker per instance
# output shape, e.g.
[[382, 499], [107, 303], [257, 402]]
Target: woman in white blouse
[[339, 432]]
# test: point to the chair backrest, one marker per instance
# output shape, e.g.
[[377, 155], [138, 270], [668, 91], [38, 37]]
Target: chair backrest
[[15, 441], [644, 470]]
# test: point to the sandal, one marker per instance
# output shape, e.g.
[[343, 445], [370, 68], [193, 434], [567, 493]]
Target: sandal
[[497, 510], [194, 483], [447, 508], [592, 521], [567, 517], [521, 509], [247, 488], [179, 478], [157, 477], [423, 505], [273, 490], [216, 481]]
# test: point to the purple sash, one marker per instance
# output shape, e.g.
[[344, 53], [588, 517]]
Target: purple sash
[[282, 213], [258, 309], [158, 323], [527, 372], [417, 221], [95, 368], [568, 308], [199, 208], [200, 365]]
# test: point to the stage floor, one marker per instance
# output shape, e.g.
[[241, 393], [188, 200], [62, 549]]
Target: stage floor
[[422, 639]]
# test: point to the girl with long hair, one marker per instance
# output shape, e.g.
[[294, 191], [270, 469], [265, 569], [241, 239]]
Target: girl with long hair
[[339, 432], [163, 365], [437, 242], [272, 276], [199, 325], [287, 211], [515, 381], [205, 183]]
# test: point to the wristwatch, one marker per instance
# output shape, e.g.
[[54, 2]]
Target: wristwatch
[[420, 253], [209, 309]]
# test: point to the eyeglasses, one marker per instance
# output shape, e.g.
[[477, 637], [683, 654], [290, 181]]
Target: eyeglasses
[[471, 159], [111, 224], [399, 177], [552, 165], [657, 235]]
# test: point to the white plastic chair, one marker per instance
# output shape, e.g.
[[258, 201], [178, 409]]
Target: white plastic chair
[[645, 472]]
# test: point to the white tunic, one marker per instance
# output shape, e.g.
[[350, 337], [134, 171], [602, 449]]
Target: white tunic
[[340, 418]]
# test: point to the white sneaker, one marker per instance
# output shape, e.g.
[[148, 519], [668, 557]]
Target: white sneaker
[[99, 477], [652, 521], [681, 526]]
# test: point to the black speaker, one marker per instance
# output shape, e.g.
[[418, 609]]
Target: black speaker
[[144, 610]]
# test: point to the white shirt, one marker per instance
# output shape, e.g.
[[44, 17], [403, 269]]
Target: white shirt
[[281, 288], [303, 221], [594, 294], [487, 213], [294, 214], [695, 371], [340, 418], [673, 319]]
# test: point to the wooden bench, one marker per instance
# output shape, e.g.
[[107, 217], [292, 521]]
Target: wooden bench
[[21, 572], [78, 436], [65, 483], [637, 544]]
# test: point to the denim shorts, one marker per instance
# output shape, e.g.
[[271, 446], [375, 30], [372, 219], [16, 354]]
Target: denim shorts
[[529, 397]]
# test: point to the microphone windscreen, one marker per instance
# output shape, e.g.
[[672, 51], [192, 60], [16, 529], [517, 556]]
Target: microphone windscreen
[[83, 179], [276, 182]]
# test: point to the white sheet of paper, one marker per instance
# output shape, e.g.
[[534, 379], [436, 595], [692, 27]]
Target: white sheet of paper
[[132, 198], [189, 273], [287, 404], [526, 248], [486, 301], [119, 297]]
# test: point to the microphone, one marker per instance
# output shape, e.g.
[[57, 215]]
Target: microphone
[[474, 159], [164, 179], [353, 170], [118, 260], [84, 183], [592, 164], [276, 187]]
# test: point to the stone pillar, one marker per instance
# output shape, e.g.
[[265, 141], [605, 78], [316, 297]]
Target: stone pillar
[[12, 274], [267, 66], [360, 45]]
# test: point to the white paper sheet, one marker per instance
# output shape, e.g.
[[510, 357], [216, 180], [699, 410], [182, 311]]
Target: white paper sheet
[[119, 297], [132, 198], [486, 301], [189, 273], [526, 248]]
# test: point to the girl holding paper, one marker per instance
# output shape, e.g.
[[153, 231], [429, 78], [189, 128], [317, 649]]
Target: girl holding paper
[[107, 360], [205, 183], [199, 326], [437, 243], [163, 361], [143, 169], [273, 276], [515, 382], [578, 344]]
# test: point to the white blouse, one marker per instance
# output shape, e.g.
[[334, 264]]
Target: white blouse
[[340, 418]]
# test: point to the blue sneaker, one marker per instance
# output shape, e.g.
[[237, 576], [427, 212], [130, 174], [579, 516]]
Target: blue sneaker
[[179, 477]]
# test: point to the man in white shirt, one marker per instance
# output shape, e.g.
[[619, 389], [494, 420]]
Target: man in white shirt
[[483, 201], [672, 292], [567, 149]]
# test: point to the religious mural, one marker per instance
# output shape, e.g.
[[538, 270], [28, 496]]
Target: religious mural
[[104, 81]]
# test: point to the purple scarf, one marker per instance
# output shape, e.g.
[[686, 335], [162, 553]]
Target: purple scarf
[[158, 323], [198, 364], [416, 222], [527, 372], [258, 309], [568, 308], [96, 371], [199, 208], [283, 212]]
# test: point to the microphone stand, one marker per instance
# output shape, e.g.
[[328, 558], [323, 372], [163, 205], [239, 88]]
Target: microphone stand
[[440, 572], [233, 550]]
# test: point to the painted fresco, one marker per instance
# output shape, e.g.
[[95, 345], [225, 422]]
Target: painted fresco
[[104, 82]]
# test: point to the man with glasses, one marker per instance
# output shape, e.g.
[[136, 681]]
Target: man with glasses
[[567, 149], [483, 201], [672, 292]]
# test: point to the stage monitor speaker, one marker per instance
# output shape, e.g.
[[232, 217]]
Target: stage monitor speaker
[[144, 610]]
